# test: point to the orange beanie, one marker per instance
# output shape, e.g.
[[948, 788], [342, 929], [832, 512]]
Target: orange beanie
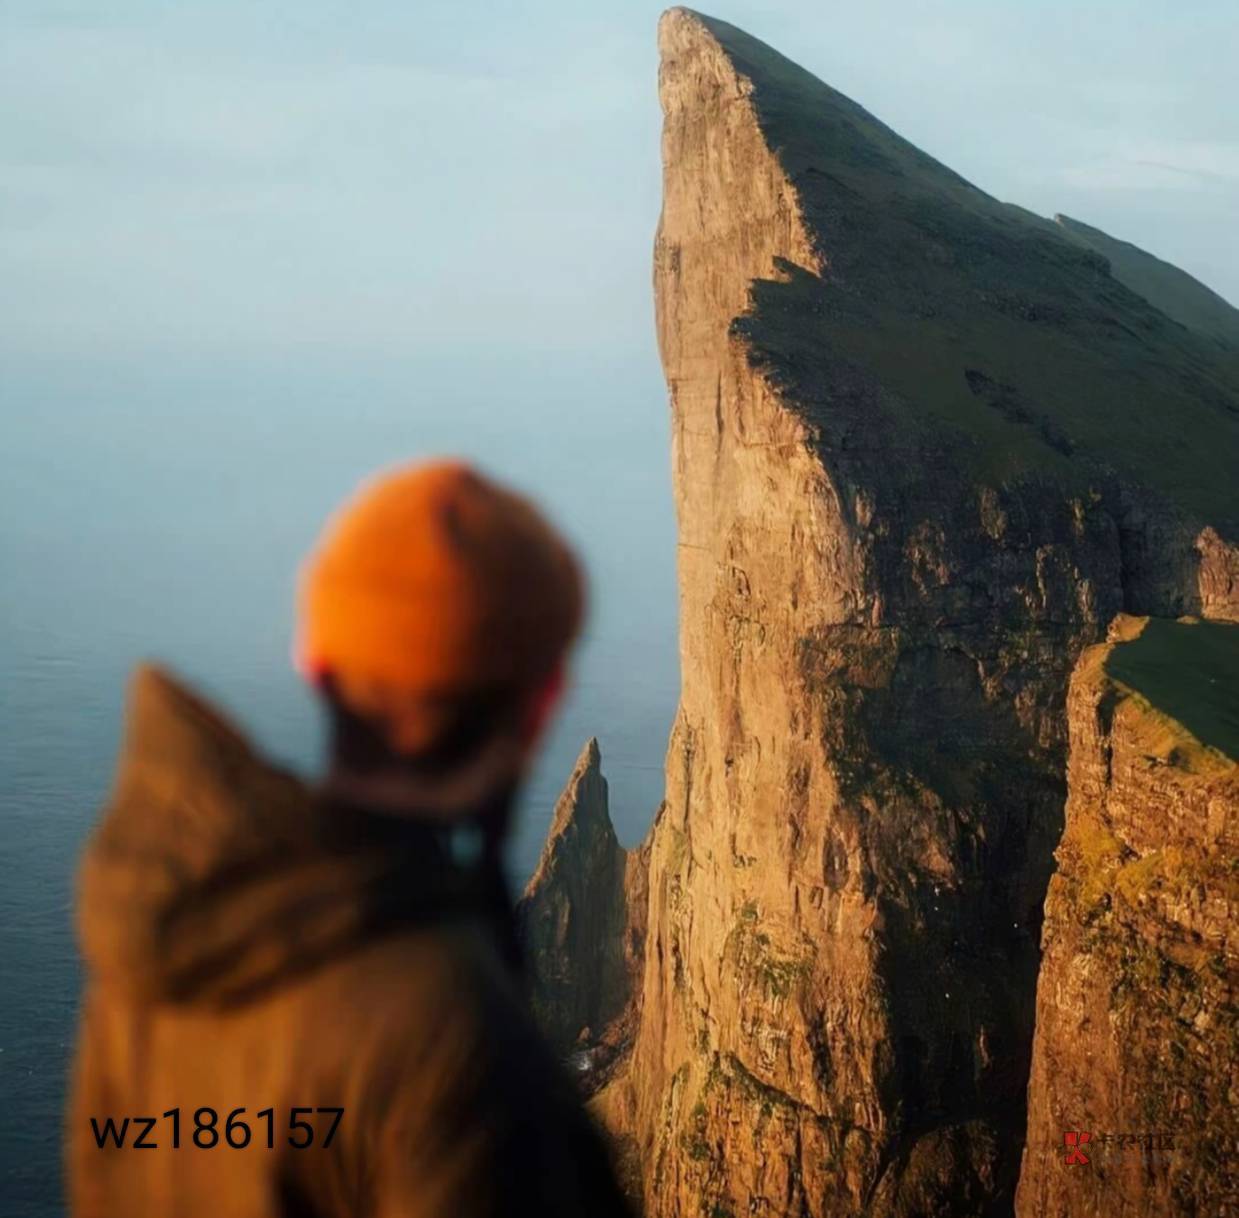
[[435, 582]]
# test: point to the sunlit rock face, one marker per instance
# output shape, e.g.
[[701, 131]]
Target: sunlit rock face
[[925, 447], [1136, 1003]]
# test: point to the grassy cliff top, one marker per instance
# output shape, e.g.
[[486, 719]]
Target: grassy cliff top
[[1173, 291], [1187, 671], [1178, 687], [996, 337]]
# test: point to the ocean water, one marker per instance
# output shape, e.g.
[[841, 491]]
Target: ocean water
[[159, 508]]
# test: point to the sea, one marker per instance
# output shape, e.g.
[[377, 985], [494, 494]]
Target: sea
[[158, 508]]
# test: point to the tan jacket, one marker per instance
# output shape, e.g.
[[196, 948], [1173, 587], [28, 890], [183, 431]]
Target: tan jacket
[[256, 953]]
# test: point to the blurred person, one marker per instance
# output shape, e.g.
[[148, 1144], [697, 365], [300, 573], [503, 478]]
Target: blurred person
[[306, 1000]]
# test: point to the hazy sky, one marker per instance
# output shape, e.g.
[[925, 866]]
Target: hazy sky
[[382, 178]]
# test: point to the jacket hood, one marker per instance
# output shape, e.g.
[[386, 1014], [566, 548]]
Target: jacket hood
[[214, 874]]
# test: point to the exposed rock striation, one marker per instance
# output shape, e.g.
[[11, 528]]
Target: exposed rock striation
[[1137, 1039], [925, 447]]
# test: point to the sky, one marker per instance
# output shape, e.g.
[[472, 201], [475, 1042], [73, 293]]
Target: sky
[[232, 180]]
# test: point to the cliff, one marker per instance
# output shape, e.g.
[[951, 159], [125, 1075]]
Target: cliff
[[925, 447], [1136, 1020], [581, 923]]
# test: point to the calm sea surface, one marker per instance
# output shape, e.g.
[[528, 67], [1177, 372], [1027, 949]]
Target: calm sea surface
[[161, 512]]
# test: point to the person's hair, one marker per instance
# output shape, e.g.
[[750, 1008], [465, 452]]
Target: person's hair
[[367, 740]]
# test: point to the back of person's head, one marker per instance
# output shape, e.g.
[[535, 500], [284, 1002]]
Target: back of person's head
[[436, 613]]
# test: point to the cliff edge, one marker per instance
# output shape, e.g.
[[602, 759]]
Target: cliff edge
[[1136, 1018], [925, 447]]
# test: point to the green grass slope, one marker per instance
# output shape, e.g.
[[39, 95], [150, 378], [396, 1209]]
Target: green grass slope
[[1188, 671], [1165, 286], [1001, 344]]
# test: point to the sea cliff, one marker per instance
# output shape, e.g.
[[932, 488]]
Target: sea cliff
[[926, 447]]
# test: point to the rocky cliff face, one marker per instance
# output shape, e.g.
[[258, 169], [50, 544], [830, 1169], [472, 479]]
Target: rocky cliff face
[[1137, 1040], [582, 924], [925, 447]]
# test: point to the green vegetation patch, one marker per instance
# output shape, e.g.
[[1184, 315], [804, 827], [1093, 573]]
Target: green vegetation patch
[[1173, 291], [1174, 871], [756, 957], [1098, 852], [1005, 345], [1189, 672]]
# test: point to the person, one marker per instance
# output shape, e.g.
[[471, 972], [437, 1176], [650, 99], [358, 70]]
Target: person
[[306, 1000]]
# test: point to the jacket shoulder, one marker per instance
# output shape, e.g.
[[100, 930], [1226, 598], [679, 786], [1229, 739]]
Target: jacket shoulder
[[166, 719], [175, 741]]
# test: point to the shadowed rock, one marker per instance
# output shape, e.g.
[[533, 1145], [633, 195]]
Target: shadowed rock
[[580, 940]]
